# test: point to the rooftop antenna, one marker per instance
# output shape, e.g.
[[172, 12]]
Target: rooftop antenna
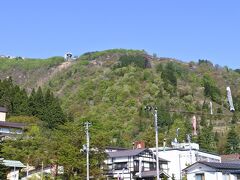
[[229, 97]]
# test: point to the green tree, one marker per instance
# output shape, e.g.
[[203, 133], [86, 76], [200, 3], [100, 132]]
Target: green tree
[[169, 77], [232, 145], [3, 170], [210, 89], [206, 139], [53, 113]]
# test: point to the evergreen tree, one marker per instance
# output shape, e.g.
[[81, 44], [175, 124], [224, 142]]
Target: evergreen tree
[[206, 139], [232, 145], [169, 77], [210, 89], [39, 103], [53, 113]]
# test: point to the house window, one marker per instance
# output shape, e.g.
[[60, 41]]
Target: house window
[[238, 176], [120, 166], [152, 166], [199, 177], [136, 165]]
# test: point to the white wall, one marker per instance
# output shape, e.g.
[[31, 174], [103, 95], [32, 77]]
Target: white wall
[[13, 175], [2, 116], [180, 159]]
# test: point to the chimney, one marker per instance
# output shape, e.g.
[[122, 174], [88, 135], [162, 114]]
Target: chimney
[[139, 145]]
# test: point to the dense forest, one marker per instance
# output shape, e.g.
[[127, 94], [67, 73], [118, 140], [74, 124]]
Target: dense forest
[[110, 89]]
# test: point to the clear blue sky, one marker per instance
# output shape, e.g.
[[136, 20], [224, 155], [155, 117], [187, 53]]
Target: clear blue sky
[[186, 30]]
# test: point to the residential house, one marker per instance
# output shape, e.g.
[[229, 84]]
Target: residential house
[[212, 171], [13, 168], [181, 155], [134, 164], [9, 129]]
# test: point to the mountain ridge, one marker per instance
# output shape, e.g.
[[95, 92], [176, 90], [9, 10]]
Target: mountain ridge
[[103, 87]]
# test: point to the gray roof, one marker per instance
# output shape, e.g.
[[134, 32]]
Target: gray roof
[[12, 163], [3, 109], [130, 152], [124, 153], [11, 124], [232, 161], [222, 167]]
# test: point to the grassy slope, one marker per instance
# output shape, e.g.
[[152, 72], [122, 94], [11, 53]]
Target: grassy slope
[[27, 72]]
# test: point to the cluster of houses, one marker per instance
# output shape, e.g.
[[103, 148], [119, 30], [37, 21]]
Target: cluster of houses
[[180, 161]]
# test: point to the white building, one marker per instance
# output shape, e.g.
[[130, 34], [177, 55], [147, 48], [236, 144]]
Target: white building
[[213, 171], [182, 155]]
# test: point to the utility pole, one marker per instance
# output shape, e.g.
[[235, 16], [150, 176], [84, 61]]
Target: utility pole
[[87, 124], [149, 108], [156, 138], [190, 150]]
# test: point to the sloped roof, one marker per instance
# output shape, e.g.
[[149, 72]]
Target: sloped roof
[[130, 152], [123, 153], [222, 167], [3, 109], [11, 124], [12, 163]]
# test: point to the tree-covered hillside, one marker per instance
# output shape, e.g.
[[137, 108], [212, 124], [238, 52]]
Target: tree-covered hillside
[[111, 89]]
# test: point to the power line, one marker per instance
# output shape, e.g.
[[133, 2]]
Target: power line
[[196, 113]]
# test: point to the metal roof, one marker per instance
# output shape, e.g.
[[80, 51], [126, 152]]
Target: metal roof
[[3, 109], [130, 152], [222, 166], [12, 163], [122, 153], [11, 124]]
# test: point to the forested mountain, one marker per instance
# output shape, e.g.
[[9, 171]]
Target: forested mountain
[[111, 88]]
